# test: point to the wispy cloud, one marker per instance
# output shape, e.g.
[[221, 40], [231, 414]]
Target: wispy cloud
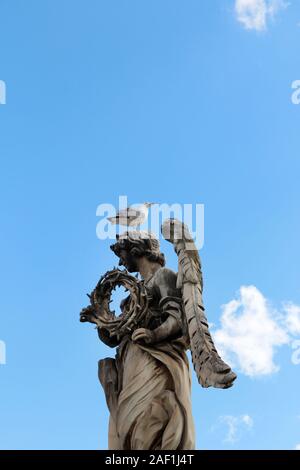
[[235, 426], [255, 14], [297, 447], [292, 319]]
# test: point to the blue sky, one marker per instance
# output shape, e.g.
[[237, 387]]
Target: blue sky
[[171, 101]]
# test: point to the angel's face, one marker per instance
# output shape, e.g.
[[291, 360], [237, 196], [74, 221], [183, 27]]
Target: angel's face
[[128, 261]]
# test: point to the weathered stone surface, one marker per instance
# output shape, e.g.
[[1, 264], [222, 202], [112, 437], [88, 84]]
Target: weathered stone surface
[[147, 386]]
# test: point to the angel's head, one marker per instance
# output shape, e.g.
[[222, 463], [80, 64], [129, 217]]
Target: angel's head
[[133, 245]]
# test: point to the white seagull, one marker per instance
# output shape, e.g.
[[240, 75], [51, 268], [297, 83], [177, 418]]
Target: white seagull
[[132, 216]]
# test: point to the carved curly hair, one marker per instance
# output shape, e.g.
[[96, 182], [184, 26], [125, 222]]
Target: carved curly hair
[[139, 244]]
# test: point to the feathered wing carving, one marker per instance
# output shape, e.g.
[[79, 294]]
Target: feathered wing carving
[[211, 370]]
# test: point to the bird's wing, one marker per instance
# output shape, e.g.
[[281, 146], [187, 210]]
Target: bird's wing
[[128, 213]]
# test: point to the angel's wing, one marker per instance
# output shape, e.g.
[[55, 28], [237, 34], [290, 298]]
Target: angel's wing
[[211, 370]]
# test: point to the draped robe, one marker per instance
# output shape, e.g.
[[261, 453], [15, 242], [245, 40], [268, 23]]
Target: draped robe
[[148, 386]]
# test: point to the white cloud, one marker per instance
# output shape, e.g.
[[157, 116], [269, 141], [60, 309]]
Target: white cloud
[[254, 14], [235, 425], [250, 333], [247, 420], [292, 318], [297, 447]]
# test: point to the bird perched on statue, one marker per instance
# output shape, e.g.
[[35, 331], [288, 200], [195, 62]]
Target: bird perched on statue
[[132, 216]]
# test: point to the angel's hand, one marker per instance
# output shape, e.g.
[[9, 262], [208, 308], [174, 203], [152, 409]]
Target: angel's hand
[[88, 314], [143, 335]]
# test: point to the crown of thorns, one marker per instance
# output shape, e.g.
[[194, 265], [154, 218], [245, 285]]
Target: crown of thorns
[[134, 307]]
